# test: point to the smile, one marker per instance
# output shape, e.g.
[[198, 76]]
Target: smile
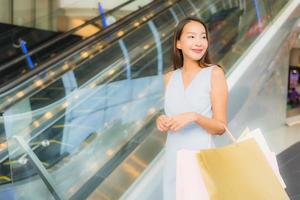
[[197, 50]]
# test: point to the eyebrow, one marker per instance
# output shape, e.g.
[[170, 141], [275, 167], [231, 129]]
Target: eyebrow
[[196, 33]]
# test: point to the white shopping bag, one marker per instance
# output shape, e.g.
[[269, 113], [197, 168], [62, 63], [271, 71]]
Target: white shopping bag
[[261, 141]]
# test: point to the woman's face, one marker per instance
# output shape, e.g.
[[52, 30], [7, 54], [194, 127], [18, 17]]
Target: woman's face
[[193, 41]]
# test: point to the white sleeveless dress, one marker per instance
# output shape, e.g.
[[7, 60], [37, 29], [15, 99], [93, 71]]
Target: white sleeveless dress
[[194, 98]]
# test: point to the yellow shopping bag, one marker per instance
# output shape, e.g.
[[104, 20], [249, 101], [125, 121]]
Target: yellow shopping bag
[[239, 171]]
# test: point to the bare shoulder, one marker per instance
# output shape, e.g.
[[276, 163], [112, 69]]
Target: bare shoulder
[[217, 72], [167, 77], [218, 79]]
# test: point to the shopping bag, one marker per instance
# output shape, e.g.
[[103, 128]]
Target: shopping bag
[[190, 183], [269, 155], [239, 171]]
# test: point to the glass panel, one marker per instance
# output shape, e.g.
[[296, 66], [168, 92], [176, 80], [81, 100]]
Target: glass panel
[[50, 20], [24, 181], [43, 14]]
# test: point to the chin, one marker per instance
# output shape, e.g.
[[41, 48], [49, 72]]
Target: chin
[[193, 56], [196, 58]]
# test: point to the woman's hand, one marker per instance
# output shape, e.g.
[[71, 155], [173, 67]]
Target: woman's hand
[[179, 121], [162, 123]]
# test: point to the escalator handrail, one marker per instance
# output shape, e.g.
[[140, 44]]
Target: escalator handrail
[[80, 45], [60, 37]]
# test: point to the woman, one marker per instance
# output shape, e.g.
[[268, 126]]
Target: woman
[[195, 98]]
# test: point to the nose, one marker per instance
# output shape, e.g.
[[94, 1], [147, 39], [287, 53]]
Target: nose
[[198, 44]]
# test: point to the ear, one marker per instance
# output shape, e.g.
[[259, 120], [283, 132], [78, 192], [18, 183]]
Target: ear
[[178, 44]]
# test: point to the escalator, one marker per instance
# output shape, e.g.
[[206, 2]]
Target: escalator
[[84, 128], [44, 44], [11, 48]]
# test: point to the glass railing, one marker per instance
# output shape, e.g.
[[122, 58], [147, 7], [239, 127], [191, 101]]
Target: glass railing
[[65, 124], [51, 43], [52, 16]]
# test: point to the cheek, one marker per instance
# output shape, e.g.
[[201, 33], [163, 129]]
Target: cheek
[[186, 43], [205, 43], [185, 46]]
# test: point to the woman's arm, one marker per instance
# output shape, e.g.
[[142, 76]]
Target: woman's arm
[[214, 125], [219, 95]]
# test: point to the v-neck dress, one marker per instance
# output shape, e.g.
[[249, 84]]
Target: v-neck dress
[[194, 98]]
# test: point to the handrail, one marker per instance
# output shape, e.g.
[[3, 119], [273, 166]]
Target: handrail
[[115, 26], [60, 37]]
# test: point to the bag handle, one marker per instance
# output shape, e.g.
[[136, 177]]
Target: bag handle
[[230, 134]]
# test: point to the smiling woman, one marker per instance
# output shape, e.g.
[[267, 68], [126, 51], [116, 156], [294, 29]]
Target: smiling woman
[[195, 98]]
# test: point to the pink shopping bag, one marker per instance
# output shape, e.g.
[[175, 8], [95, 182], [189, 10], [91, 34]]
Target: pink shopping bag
[[189, 182]]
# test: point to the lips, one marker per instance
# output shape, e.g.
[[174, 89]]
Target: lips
[[197, 50]]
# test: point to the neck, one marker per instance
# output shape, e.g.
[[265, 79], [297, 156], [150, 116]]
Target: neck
[[190, 66]]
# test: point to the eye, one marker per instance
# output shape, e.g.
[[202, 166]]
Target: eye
[[204, 37], [191, 36]]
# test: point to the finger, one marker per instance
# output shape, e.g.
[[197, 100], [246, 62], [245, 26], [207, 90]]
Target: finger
[[173, 126], [160, 117], [165, 119], [178, 127], [166, 129], [166, 126], [160, 128], [158, 125], [163, 116], [163, 124], [170, 122]]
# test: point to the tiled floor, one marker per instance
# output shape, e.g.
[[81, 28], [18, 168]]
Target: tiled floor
[[289, 165]]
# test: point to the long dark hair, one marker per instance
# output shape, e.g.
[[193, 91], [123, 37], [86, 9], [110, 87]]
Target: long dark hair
[[177, 53]]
